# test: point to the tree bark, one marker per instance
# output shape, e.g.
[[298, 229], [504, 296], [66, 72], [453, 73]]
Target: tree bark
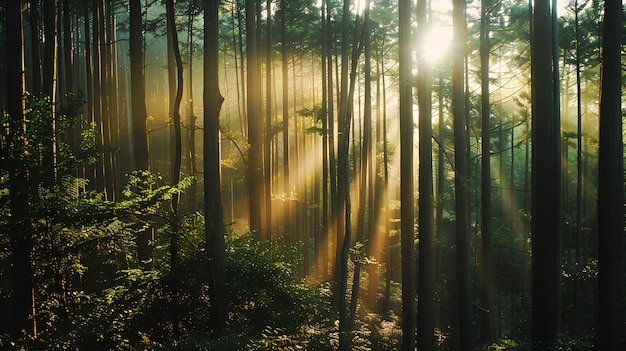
[[22, 298], [267, 149], [35, 67], [611, 184], [407, 214], [177, 163], [138, 109], [546, 190], [214, 225], [425, 340], [461, 179], [255, 156], [486, 282], [47, 175]]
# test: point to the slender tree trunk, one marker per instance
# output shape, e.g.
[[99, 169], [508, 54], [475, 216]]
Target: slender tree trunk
[[172, 90], [546, 184], [177, 163], [365, 157], [22, 298], [461, 180], [332, 164], [49, 89], [440, 193], [285, 72], [611, 184], [68, 47], [579, 172], [98, 174], [407, 214], [268, 125], [35, 67], [138, 110], [425, 215], [486, 263], [243, 114], [214, 226], [343, 185], [376, 201], [191, 120], [326, 91], [108, 113], [388, 247], [255, 156]]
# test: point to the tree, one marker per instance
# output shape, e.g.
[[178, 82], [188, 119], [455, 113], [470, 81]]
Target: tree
[[343, 184], [546, 225], [35, 67], [461, 179], [22, 299], [485, 185], [425, 215], [138, 108], [407, 216], [177, 162], [611, 183], [214, 222], [255, 118], [365, 160], [267, 148], [285, 80], [49, 87]]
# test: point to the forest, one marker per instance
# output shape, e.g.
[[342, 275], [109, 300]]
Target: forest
[[312, 175]]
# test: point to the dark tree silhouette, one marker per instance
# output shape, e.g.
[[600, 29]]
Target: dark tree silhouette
[[22, 308], [407, 196], [611, 183], [214, 223], [461, 179], [546, 182]]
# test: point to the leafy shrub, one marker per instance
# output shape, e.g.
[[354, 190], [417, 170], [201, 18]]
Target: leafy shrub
[[265, 289]]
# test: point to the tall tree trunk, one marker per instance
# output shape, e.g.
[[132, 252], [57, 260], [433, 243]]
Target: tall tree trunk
[[267, 149], [191, 119], [546, 183], [407, 214], [438, 231], [98, 175], [138, 109], [425, 216], [255, 156], [285, 72], [365, 158], [611, 184], [68, 47], [89, 115], [22, 298], [461, 179], [486, 281], [579, 171], [214, 225], [107, 114], [172, 90], [324, 244], [343, 185], [35, 67], [49, 89], [332, 164], [177, 163]]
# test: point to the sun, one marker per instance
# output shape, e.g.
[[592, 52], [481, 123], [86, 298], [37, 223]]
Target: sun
[[436, 43]]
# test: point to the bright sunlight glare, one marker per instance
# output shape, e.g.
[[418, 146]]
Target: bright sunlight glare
[[437, 42]]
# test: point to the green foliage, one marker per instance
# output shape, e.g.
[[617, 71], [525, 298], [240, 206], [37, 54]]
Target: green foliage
[[562, 343], [265, 290]]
